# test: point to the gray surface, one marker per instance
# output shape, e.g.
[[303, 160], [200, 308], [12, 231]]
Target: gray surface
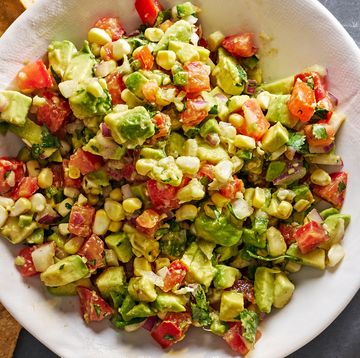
[[342, 338]]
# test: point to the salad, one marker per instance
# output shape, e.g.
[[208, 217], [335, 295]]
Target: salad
[[164, 183]]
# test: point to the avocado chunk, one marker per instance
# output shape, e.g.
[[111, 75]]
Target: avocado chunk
[[283, 290], [283, 86], [175, 145], [264, 288], [230, 76], [152, 153], [314, 258], [225, 276], [14, 233], [60, 54], [275, 137], [69, 269], [71, 288], [180, 31], [120, 243], [302, 192], [278, 111], [210, 126], [141, 310], [274, 170], [231, 305], [135, 82], [219, 230], [111, 279], [185, 9], [210, 154], [184, 52], [169, 302], [335, 225], [142, 289], [130, 128], [16, 109]]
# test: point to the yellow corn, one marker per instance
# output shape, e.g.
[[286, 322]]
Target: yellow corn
[[73, 245], [284, 210], [214, 40], [114, 210], [93, 199], [45, 178], [98, 36], [21, 206], [82, 199], [74, 173], [186, 212], [116, 194], [141, 264], [101, 222], [64, 207], [33, 168], [131, 205], [161, 262], [115, 226], [71, 192], [236, 119], [219, 200], [301, 205], [320, 177], [259, 198], [64, 229]]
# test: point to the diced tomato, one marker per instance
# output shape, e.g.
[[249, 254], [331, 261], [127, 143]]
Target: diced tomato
[[112, 26], [324, 137], [240, 45], [149, 90], [198, 77], [175, 275], [334, 193], [302, 101], [287, 231], [148, 10], [309, 236], [115, 85], [162, 196], [148, 219], [172, 329], [68, 182], [245, 287], [234, 338], [86, 162], [206, 170], [163, 124], [318, 82], [92, 306], [255, 124], [11, 172], [28, 268], [34, 76], [195, 112], [202, 42], [26, 187], [81, 220], [230, 189], [58, 175], [93, 250], [145, 57]]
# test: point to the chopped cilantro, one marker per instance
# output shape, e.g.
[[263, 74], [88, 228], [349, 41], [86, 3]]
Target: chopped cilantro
[[200, 309], [310, 82], [97, 309], [242, 74], [341, 187], [214, 109], [319, 131], [319, 114], [249, 321], [297, 141], [169, 337], [61, 266], [68, 206], [57, 78], [270, 258]]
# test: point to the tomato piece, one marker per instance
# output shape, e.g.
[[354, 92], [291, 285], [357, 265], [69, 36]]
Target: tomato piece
[[195, 112], [150, 90], [162, 196], [163, 125], [11, 172], [309, 236], [58, 175], [145, 57], [245, 287], [26, 187], [148, 10], [92, 306], [198, 77], [206, 170], [240, 45], [148, 219], [86, 162], [318, 82], [28, 268], [234, 338], [115, 85], [81, 220], [287, 231], [230, 189], [54, 112], [302, 101], [175, 275], [34, 76], [320, 135], [112, 26], [93, 250], [69, 182], [334, 193]]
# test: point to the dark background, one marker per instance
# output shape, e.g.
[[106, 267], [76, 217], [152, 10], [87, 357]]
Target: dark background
[[342, 338]]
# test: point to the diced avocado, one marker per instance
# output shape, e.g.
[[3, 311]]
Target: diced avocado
[[25, 220], [278, 111], [225, 276], [264, 288], [252, 238], [185, 9], [217, 327], [141, 310], [126, 305], [302, 192], [135, 82], [219, 230], [173, 243], [328, 212], [169, 302], [337, 217], [230, 76], [69, 269], [29, 132], [200, 267], [37, 237], [184, 52], [152, 153], [224, 253], [315, 258], [71, 288], [60, 54], [14, 233], [274, 169], [175, 145], [275, 137], [210, 126], [283, 86], [131, 127], [181, 31], [111, 279], [120, 243], [142, 289], [16, 109], [283, 290], [58, 239], [232, 304], [335, 225], [140, 191], [210, 154]]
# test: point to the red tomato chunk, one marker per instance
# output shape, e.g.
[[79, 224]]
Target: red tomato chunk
[[81, 220], [240, 45], [162, 196], [148, 10], [175, 276], [93, 250], [34, 76], [27, 268], [11, 172], [310, 236], [86, 162], [112, 26], [27, 187]]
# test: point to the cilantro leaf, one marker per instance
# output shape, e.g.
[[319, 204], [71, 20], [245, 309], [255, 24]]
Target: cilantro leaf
[[310, 82], [319, 131], [242, 74], [297, 142], [319, 114], [249, 321], [341, 187], [97, 309], [57, 78], [200, 309], [272, 258]]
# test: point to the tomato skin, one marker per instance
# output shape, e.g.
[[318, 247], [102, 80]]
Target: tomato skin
[[287, 231], [92, 306], [148, 222], [146, 58], [115, 85], [26, 187], [302, 101], [93, 250], [319, 83], [320, 142], [245, 287], [230, 190], [240, 45], [81, 220], [334, 193], [11, 172], [195, 112], [175, 276], [69, 182], [236, 341], [28, 269], [85, 161], [198, 77], [206, 170], [309, 236], [148, 10], [34, 76], [112, 26], [162, 196], [163, 125]]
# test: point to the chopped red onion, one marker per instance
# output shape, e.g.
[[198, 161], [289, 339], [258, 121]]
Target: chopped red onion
[[200, 104], [213, 139], [149, 323], [221, 97], [250, 87], [315, 216], [105, 130], [126, 191], [333, 99]]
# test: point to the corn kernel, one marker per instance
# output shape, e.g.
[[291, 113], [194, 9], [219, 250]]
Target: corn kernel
[[3, 216], [21, 206], [120, 48], [292, 267], [38, 202], [82, 199], [188, 165], [320, 177], [166, 59], [302, 205], [141, 264], [64, 229], [154, 34], [92, 199], [335, 254], [6, 203], [95, 49], [219, 200], [193, 191], [214, 40], [191, 148], [131, 205], [236, 119], [74, 172], [98, 36], [45, 178], [223, 171], [276, 244], [64, 207], [71, 192], [249, 195], [263, 98], [33, 168], [115, 226], [161, 262], [236, 102], [284, 210], [101, 222], [243, 141], [259, 198], [95, 89], [114, 210], [186, 212], [116, 194], [73, 245]]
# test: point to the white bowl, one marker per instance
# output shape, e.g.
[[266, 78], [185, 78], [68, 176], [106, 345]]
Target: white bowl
[[304, 33]]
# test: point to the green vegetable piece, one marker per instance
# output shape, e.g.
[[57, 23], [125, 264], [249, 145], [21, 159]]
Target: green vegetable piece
[[335, 225], [298, 142], [142, 289], [275, 137], [283, 290], [30, 132], [252, 238], [58, 239], [127, 304], [169, 302], [37, 237], [95, 182], [139, 191], [184, 52], [249, 321], [25, 220], [111, 279], [151, 153], [225, 276], [213, 155], [319, 131], [278, 111], [210, 126], [224, 253], [283, 86], [16, 109], [264, 288], [69, 269], [185, 9], [302, 192], [200, 309], [180, 78], [135, 82], [14, 233], [120, 243], [337, 217], [70, 289], [141, 310], [328, 212], [315, 258], [260, 224], [231, 305], [173, 243], [60, 54], [217, 327], [175, 145]]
